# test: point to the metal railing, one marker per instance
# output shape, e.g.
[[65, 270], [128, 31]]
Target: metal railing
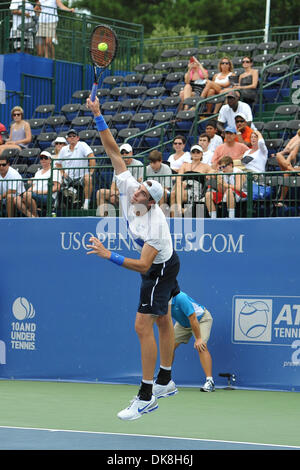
[[269, 194]]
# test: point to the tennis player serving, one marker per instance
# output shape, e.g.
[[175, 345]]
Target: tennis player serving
[[158, 265]]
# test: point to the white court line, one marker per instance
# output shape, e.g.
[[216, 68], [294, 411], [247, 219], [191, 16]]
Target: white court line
[[151, 436]]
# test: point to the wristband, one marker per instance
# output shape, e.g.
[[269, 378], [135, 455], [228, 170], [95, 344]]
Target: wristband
[[100, 123], [117, 259]]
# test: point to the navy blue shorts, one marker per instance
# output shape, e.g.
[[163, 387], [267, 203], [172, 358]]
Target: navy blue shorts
[[159, 285]]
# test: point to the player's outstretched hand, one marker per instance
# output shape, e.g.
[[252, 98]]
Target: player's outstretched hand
[[97, 248], [94, 106]]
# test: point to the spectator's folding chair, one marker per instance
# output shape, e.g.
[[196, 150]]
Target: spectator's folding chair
[[45, 139], [29, 156], [151, 105], [169, 53], [141, 120], [112, 81], [56, 124], [12, 154], [103, 94], [270, 47], [79, 96], [170, 103], [179, 65], [153, 137], [131, 105], [81, 123], [189, 52], [152, 80], [110, 107], [130, 132], [286, 112], [163, 67], [133, 79], [118, 93], [37, 126], [275, 129], [121, 121], [136, 91], [156, 92], [143, 68], [88, 136], [70, 111], [43, 111], [172, 79]]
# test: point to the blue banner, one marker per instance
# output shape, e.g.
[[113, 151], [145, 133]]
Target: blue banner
[[69, 316]]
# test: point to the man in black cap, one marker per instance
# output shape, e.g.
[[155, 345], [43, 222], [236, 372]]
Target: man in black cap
[[80, 163]]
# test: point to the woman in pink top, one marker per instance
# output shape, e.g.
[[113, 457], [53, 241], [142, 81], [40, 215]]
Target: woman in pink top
[[195, 79]]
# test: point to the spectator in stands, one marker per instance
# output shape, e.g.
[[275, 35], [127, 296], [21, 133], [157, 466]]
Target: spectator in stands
[[135, 167], [15, 32], [258, 154], [189, 188], [157, 170], [219, 83], [20, 131], [204, 141], [9, 189], [243, 130], [215, 139], [195, 79], [3, 134], [180, 156], [79, 166], [46, 36], [291, 151], [233, 108], [231, 188], [59, 143], [289, 163], [248, 81], [37, 193], [230, 148]]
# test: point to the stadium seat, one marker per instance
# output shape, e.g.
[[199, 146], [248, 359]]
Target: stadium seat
[[179, 65], [230, 49], [21, 168], [112, 81], [247, 48], [81, 123], [142, 120], [152, 80], [274, 145], [169, 53], [172, 79], [131, 105], [291, 46], [130, 132], [163, 67], [103, 94], [37, 126], [143, 68], [162, 116], [274, 129], [110, 107], [81, 95], [12, 154], [29, 155], [156, 92], [207, 51], [170, 103], [88, 136], [184, 120], [133, 79], [292, 127], [153, 137], [136, 91], [286, 112], [189, 52], [43, 111], [55, 124], [118, 93], [270, 47], [70, 111], [121, 121], [44, 139], [151, 105]]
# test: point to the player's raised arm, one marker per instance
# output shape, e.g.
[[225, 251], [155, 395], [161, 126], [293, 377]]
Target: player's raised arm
[[108, 141]]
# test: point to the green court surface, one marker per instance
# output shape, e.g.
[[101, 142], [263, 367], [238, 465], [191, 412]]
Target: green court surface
[[240, 416]]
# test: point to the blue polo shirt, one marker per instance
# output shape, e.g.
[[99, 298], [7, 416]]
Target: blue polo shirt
[[184, 306]]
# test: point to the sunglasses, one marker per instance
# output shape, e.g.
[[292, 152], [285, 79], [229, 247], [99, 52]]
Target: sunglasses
[[248, 61], [59, 143], [195, 151], [223, 166], [43, 157], [72, 135], [224, 63], [178, 143], [239, 120], [17, 114], [123, 152], [3, 164]]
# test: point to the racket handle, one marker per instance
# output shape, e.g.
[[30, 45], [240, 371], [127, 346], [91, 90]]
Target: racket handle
[[94, 91]]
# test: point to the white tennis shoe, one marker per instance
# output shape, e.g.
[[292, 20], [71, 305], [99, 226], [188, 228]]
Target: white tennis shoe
[[209, 386], [160, 391], [137, 408]]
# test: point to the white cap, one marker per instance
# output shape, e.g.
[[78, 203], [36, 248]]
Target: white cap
[[155, 189], [60, 140], [47, 154], [197, 147], [242, 115], [126, 147]]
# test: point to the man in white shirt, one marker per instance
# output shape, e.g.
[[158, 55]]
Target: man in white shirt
[[215, 139], [203, 141], [15, 32], [158, 265], [233, 108], [77, 161], [9, 189]]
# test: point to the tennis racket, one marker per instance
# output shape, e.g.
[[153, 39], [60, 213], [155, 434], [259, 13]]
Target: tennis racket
[[102, 59]]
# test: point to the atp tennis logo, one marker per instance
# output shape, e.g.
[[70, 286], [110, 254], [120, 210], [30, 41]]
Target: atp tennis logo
[[23, 309], [252, 320]]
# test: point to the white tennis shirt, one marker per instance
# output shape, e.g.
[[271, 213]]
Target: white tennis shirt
[[151, 228]]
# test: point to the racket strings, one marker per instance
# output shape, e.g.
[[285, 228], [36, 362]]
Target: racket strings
[[103, 58]]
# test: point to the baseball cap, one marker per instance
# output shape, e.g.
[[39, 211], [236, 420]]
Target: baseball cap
[[242, 115], [60, 140], [46, 154], [196, 147], [72, 131], [233, 94], [230, 129], [126, 147], [155, 189]]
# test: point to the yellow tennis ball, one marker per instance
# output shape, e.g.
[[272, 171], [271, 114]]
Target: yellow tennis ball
[[102, 46]]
